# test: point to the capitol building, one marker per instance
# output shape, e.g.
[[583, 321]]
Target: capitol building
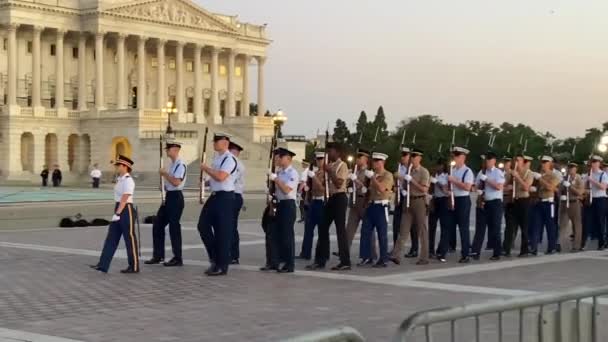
[[82, 81]]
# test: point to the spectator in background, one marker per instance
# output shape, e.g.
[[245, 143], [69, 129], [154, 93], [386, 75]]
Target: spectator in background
[[45, 175], [96, 176], [56, 177]]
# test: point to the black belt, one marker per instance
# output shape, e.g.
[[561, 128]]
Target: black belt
[[173, 190], [417, 197]]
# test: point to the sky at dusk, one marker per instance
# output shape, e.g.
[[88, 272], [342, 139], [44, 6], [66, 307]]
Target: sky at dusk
[[541, 62]]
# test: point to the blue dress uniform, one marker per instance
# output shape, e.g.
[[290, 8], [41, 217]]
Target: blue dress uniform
[[283, 236], [493, 211], [315, 208], [376, 217], [440, 209], [599, 203], [239, 188], [480, 216], [170, 213], [124, 225], [544, 212], [216, 222], [460, 216]]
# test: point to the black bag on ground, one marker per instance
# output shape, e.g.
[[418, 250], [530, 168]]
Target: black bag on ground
[[99, 222], [66, 222]]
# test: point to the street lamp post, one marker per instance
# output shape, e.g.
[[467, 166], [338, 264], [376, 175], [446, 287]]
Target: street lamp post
[[169, 109], [278, 119]]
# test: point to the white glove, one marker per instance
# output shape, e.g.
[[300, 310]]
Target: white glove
[[479, 192], [306, 188], [483, 177], [350, 190], [407, 178], [364, 190], [563, 198], [533, 189], [206, 178], [353, 177], [310, 174], [567, 184], [403, 193], [304, 176], [115, 218], [272, 176], [537, 175], [369, 173], [433, 180], [315, 169]]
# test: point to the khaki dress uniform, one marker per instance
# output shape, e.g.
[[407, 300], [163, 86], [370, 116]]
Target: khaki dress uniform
[[571, 214]]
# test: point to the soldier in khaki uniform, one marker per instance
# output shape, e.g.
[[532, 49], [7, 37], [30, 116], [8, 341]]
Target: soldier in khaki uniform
[[544, 210], [507, 198], [315, 179], [571, 202], [360, 201], [416, 213], [521, 180], [376, 214]]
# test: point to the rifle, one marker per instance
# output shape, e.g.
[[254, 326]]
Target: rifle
[[203, 160], [162, 165], [356, 170], [568, 178], [398, 192], [326, 166], [367, 180], [409, 171], [482, 184], [271, 199], [451, 171]]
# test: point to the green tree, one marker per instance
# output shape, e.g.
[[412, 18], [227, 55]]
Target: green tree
[[341, 133]]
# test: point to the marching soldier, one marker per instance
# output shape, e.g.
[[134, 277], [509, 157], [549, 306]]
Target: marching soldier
[[544, 210], [303, 191], [402, 171], [598, 183], [415, 210], [480, 216], [376, 215], [239, 188], [440, 205], [269, 221], [335, 211], [170, 212], [215, 226], [314, 216], [123, 221], [356, 214], [573, 190], [286, 181], [494, 180], [461, 181], [520, 180], [507, 200]]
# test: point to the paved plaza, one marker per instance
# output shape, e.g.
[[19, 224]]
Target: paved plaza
[[49, 294]]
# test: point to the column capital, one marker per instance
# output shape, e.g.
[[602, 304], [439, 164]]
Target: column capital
[[38, 29], [13, 26], [161, 42], [61, 32], [215, 51], [198, 47], [233, 53], [180, 43], [100, 34], [142, 39], [261, 59], [121, 36]]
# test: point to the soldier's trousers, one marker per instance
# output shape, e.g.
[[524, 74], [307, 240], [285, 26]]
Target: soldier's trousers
[[543, 218], [356, 215], [96, 183], [376, 218], [283, 234], [313, 219], [520, 220], [170, 214], [596, 214], [414, 215], [397, 219], [492, 212], [215, 226], [235, 251], [509, 214], [570, 217], [268, 222], [481, 227], [440, 213], [335, 211], [459, 218], [124, 227]]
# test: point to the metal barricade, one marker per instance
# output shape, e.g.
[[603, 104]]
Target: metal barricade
[[577, 321], [346, 334]]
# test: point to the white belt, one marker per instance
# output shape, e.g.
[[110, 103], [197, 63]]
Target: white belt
[[549, 200], [318, 198], [385, 202]]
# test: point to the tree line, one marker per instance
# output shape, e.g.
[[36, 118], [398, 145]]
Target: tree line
[[434, 136]]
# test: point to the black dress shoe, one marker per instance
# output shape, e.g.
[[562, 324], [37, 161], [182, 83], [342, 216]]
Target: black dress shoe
[[210, 268], [464, 260], [523, 255], [422, 262], [380, 264], [335, 254], [129, 270], [300, 257], [341, 267], [315, 266], [235, 262], [495, 258], [365, 262], [173, 263], [412, 254], [153, 261], [97, 268], [550, 252], [268, 268], [285, 269], [396, 261], [442, 258], [506, 254], [94, 266], [217, 272], [475, 256]]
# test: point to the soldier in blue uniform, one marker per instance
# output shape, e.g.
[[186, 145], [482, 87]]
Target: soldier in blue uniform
[[216, 222], [123, 221], [439, 205], [286, 181], [597, 181], [170, 212], [239, 188]]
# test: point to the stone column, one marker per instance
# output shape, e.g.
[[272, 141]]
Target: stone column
[[261, 103], [245, 97], [82, 72], [198, 85], [59, 82], [179, 82], [230, 111], [162, 88], [121, 88], [141, 72], [99, 49], [36, 82], [214, 111], [12, 64]]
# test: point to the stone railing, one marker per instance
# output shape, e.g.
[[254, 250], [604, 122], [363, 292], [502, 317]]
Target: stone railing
[[27, 111], [254, 31], [119, 113], [178, 134], [3, 110], [152, 113], [73, 114], [51, 113]]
